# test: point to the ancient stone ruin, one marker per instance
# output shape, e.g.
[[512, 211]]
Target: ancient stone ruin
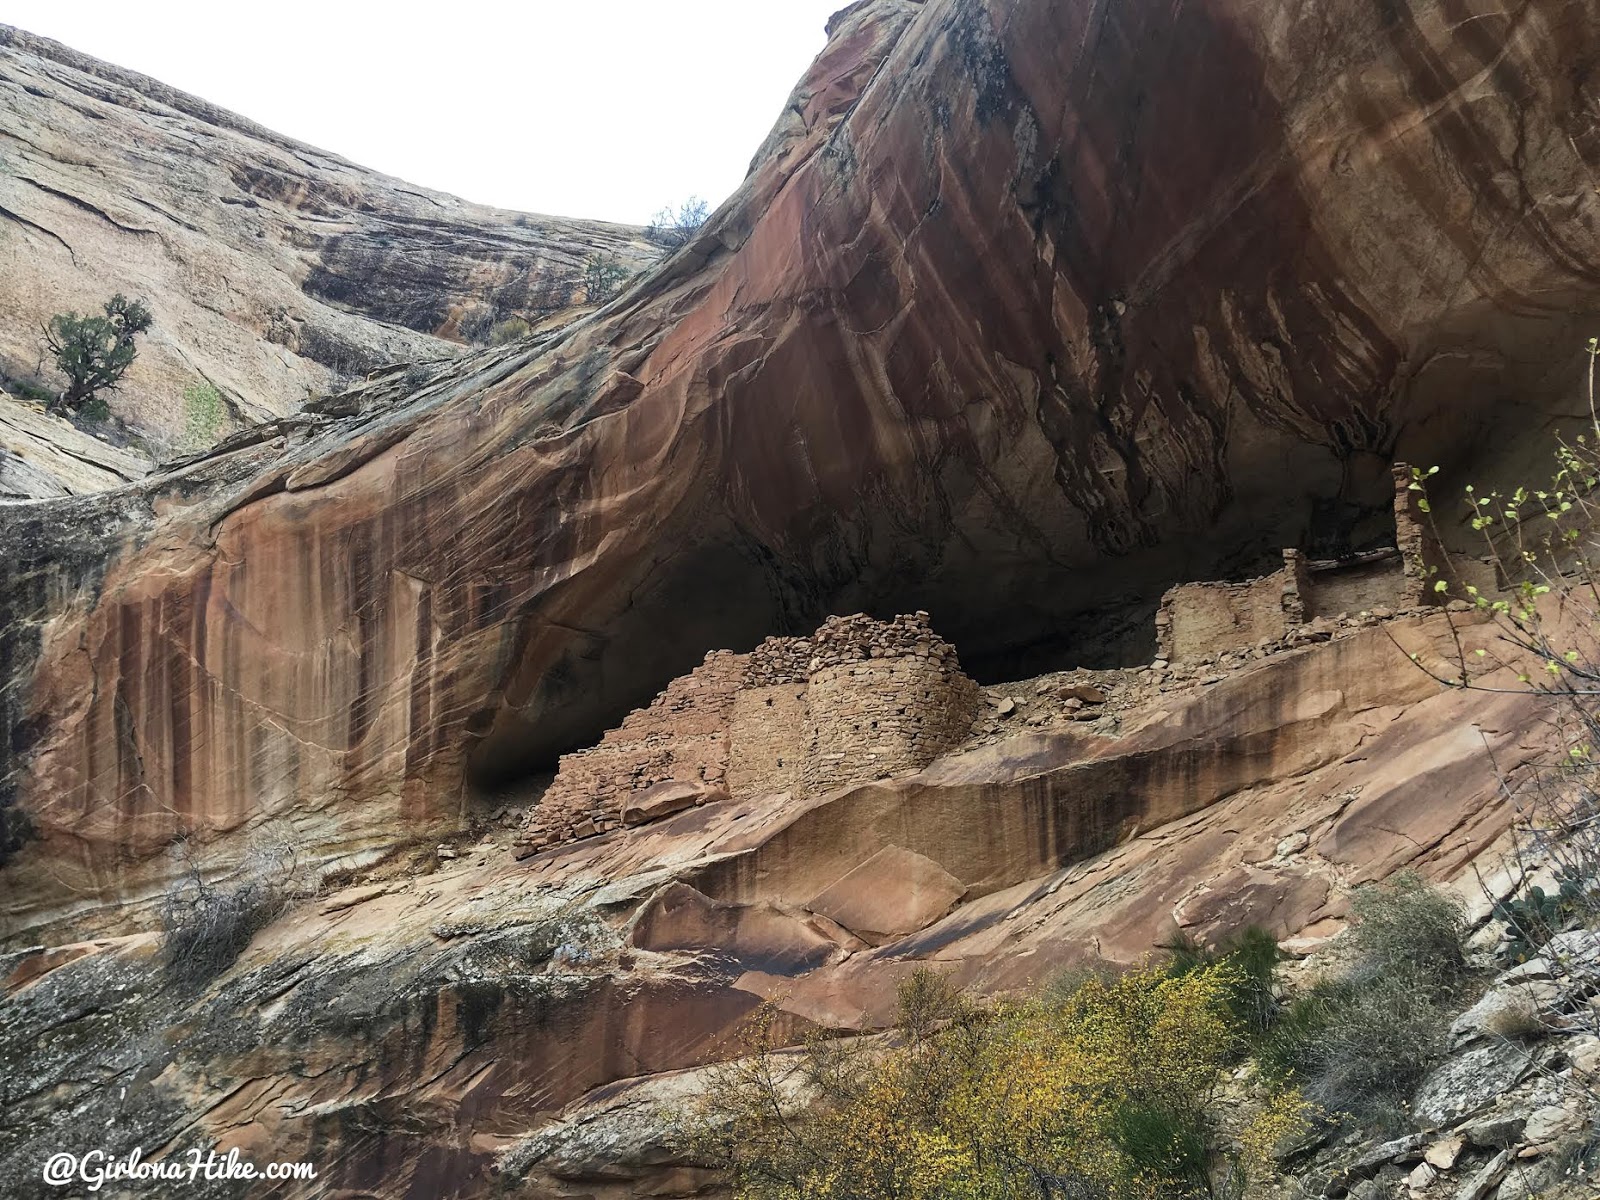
[[858, 700], [1198, 620]]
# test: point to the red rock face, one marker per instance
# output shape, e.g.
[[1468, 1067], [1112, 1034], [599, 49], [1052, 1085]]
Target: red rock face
[[1027, 311], [485, 1022]]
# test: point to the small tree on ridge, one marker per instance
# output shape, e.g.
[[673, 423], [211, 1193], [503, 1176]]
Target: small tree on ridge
[[602, 276], [94, 352], [673, 229]]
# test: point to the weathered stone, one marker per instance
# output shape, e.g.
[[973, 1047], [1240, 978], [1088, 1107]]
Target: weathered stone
[[1584, 1053], [1444, 1152], [43, 456], [1506, 1010], [1551, 1122], [282, 270], [1574, 956], [893, 893], [664, 799], [761, 937], [1084, 693], [1406, 1148], [1496, 1132], [1487, 1179], [1539, 1179], [1469, 1082]]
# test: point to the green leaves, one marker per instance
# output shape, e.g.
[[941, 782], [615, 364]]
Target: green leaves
[[94, 352]]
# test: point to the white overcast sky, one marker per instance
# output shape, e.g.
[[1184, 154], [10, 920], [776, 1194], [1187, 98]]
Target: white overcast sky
[[584, 108]]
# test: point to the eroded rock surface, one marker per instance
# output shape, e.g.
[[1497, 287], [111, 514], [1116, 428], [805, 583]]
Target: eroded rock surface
[[43, 456], [275, 270], [427, 1031], [1026, 312]]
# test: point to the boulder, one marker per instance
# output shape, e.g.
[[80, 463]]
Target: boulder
[[1406, 1148], [1572, 957], [1488, 1177], [1084, 693], [1467, 1083], [664, 799], [1443, 1153], [1551, 1122], [1507, 1010], [759, 937], [1499, 1132]]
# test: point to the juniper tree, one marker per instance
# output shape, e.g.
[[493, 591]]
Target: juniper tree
[[602, 276], [94, 352]]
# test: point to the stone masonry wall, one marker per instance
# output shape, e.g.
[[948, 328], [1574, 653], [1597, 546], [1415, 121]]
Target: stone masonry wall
[[681, 736], [768, 743], [778, 660], [1197, 619], [1379, 581], [861, 700], [883, 698], [1422, 556]]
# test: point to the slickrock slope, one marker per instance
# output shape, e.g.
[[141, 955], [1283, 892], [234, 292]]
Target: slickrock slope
[[274, 270], [43, 456], [449, 1020], [1027, 311]]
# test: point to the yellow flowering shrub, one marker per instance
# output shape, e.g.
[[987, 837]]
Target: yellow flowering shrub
[[1105, 1094]]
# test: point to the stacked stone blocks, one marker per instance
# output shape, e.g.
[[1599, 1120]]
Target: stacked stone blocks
[[1198, 620], [858, 701], [883, 698], [682, 736]]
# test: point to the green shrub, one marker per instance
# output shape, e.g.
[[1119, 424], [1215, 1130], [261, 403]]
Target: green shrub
[[1533, 919], [1361, 1048], [204, 413], [1360, 1043], [1253, 955], [94, 352], [1406, 924], [603, 275], [1104, 1090], [28, 389], [510, 330]]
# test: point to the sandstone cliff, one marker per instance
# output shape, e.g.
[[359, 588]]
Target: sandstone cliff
[[456, 1021], [1025, 312], [275, 270]]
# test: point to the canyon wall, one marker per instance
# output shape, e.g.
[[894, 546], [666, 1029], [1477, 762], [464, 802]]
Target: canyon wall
[[275, 270], [446, 1027], [1027, 311]]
